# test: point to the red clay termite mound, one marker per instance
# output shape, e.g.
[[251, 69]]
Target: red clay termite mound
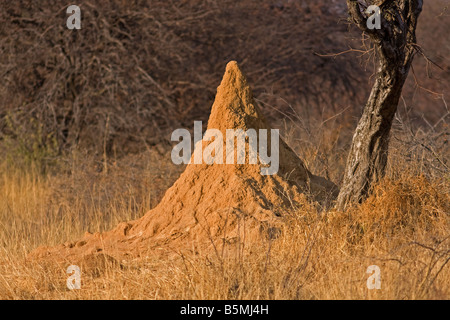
[[212, 203]]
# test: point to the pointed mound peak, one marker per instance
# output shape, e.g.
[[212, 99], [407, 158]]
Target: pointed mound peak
[[234, 107]]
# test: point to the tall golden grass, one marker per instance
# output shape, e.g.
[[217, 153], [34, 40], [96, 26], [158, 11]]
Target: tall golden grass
[[403, 228]]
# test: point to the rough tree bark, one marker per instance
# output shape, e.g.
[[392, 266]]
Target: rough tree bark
[[395, 46]]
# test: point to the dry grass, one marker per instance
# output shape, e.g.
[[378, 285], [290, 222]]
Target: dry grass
[[403, 228]]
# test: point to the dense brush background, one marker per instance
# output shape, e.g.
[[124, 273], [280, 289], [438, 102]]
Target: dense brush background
[[86, 117]]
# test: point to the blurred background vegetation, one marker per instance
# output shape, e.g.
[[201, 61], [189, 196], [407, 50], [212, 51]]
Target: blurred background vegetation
[[137, 70]]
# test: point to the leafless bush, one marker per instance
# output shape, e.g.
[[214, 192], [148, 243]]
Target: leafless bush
[[138, 69]]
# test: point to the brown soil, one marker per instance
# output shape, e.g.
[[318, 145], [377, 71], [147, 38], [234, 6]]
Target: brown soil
[[210, 204]]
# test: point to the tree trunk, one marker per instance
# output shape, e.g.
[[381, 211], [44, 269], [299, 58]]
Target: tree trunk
[[394, 45]]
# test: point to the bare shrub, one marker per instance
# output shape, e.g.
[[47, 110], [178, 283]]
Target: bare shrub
[[137, 70]]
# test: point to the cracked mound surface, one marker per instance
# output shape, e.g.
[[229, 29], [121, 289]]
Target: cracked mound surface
[[211, 204]]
